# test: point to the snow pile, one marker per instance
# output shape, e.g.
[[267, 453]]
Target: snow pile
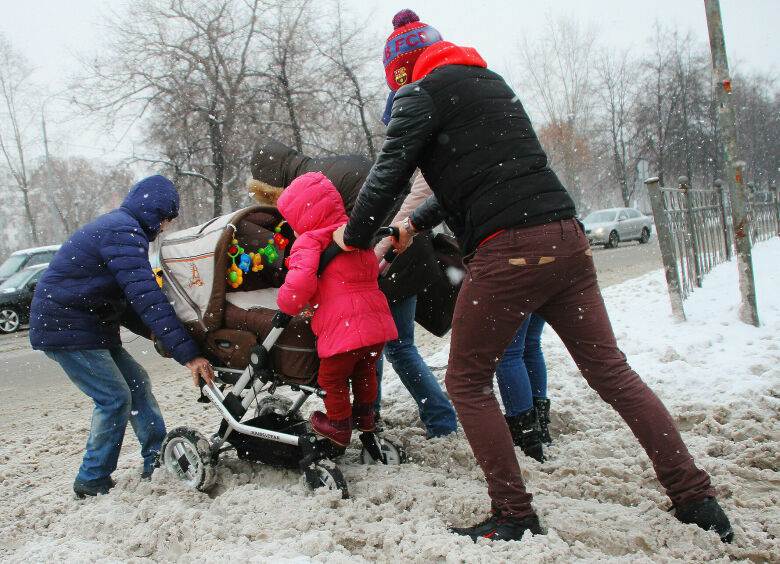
[[597, 495]]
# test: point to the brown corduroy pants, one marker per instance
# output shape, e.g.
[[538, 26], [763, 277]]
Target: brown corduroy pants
[[548, 269]]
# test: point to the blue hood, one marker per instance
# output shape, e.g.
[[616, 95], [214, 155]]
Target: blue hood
[[151, 201], [388, 108]]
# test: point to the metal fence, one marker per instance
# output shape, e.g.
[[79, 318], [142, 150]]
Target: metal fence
[[763, 214], [695, 231]]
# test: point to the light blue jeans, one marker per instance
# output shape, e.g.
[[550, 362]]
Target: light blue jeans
[[522, 372], [122, 392], [436, 411]]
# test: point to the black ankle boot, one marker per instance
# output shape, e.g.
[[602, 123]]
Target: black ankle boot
[[526, 433], [542, 407]]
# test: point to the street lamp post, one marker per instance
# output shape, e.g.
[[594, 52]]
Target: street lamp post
[[49, 183]]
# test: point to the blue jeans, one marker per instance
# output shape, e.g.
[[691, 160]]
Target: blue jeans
[[436, 411], [522, 373], [122, 392]]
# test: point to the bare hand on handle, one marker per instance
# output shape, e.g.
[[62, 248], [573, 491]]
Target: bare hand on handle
[[200, 367]]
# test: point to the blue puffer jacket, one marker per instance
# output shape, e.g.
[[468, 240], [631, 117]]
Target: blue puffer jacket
[[101, 278]]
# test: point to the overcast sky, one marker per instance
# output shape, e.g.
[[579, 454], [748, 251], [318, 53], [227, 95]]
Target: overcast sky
[[50, 32]]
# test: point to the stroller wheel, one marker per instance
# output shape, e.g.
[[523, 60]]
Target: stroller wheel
[[394, 454], [325, 474], [186, 453]]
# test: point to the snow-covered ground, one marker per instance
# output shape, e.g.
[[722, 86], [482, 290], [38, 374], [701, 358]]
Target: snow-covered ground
[[596, 495]]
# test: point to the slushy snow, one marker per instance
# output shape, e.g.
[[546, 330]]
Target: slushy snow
[[597, 495]]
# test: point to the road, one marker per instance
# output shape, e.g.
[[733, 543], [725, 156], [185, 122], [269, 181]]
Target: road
[[629, 260], [23, 369]]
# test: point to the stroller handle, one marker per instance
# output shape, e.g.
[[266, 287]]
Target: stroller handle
[[281, 320], [388, 231]]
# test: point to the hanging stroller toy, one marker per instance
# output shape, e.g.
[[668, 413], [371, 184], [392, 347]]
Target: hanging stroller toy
[[254, 350], [254, 260]]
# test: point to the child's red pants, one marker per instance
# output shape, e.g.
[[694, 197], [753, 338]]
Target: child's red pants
[[336, 371]]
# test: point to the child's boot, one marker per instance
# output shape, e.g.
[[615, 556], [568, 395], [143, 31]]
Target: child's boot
[[526, 433], [363, 417], [339, 431]]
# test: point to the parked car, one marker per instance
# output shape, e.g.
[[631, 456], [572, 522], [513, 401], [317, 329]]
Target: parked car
[[611, 226], [26, 257], [16, 295]]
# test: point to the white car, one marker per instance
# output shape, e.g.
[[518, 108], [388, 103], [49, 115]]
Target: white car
[[26, 258], [611, 226]]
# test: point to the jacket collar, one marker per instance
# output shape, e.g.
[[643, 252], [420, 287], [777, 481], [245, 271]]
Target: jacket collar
[[445, 53]]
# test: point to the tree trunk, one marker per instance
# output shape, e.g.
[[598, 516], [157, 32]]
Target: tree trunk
[[29, 215]]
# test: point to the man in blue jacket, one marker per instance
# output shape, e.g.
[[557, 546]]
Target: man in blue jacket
[[100, 279]]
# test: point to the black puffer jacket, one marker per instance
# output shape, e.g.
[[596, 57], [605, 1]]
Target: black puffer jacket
[[467, 131], [277, 164]]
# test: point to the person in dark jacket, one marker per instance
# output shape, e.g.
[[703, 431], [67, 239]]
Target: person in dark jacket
[[274, 166], [98, 280], [524, 252]]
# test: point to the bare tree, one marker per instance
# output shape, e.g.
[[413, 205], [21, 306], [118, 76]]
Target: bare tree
[[177, 60], [616, 92], [345, 47], [14, 75], [758, 122], [675, 114], [561, 84], [662, 94], [697, 131], [298, 77], [83, 189]]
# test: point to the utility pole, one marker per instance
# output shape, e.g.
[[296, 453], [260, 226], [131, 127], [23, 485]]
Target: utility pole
[[49, 184], [748, 312]]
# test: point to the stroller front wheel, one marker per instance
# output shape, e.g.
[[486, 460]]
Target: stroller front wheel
[[393, 454], [325, 474], [186, 453]]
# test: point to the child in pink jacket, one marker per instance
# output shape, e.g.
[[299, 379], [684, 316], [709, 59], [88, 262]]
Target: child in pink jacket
[[351, 318]]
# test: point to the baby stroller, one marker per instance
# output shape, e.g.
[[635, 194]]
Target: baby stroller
[[254, 350]]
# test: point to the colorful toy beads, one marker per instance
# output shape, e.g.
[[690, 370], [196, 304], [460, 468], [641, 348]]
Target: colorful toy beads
[[235, 276], [234, 273], [254, 260]]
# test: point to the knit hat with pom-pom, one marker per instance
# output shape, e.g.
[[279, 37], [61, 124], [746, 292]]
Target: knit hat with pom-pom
[[404, 47]]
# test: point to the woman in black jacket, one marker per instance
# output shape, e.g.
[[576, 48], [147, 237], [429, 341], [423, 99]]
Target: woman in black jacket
[[524, 252]]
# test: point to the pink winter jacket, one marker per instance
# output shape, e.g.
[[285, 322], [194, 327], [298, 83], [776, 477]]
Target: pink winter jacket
[[349, 310]]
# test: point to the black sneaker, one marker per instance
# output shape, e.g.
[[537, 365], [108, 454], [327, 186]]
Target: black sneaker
[[498, 527], [146, 475], [82, 490], [707, 514]]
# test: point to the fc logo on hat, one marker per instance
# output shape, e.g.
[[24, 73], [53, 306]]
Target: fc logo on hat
[[400, 76]]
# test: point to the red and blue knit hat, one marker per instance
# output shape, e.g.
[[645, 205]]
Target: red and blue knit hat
[[404, 47]]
